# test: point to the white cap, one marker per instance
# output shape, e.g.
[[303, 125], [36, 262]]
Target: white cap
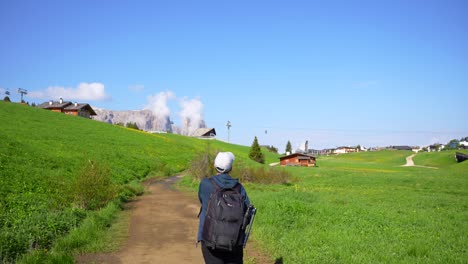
[[223, 161]]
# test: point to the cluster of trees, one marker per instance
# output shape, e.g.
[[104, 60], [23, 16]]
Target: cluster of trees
[[272, 149], [256, 154], [451, 145], [129, 125], [457, 144]]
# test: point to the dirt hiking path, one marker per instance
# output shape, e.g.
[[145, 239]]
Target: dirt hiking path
[[163, 229], [410, 163]]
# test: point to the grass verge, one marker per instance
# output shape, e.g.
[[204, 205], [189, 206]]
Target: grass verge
[[101, 231]]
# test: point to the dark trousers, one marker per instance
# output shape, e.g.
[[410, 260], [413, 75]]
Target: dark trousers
[[222, 257]]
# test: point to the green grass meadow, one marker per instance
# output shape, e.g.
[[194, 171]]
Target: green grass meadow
[[353, 208], [365, 208]]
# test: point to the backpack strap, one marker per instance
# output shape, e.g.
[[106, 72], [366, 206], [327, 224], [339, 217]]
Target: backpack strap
[[216, 188], [236, 187], [214, 184]]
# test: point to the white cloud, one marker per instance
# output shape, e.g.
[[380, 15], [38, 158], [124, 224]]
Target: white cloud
[[84, 91], [158, 103], [191, 114], [136, 88], [191, 111]]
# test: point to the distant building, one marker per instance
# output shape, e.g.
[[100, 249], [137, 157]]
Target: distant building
[[435, 147], [157, 132], [298, 159], [207, 133], [416, 149], [464, 143], [69, 108], [316, 152], [343, 150], [401, 147]]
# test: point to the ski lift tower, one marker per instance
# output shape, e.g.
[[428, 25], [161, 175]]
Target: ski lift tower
[[22, 92], [228, 127]]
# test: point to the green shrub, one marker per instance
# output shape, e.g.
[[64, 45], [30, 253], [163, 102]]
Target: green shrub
[[93, 187], [202, 165], [162, 168], [130, 190], [265, 175]]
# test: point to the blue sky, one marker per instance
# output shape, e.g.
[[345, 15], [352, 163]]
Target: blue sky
[[373, 73]]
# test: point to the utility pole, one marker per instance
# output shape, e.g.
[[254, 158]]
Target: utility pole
[[22, 92], [228, 127]]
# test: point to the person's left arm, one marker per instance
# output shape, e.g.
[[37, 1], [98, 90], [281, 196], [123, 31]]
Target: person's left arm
[[204, 191], [246, 197]]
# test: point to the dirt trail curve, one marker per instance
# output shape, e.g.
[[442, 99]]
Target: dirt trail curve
[[163, 228], [410, 163]]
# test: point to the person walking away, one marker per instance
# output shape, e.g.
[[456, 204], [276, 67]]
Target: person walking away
[[224, 202]]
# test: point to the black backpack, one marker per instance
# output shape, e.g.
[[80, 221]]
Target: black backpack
[[223, 228]]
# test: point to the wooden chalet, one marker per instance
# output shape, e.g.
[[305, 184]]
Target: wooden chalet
[[297, 159], [69, 108], [204, 133]]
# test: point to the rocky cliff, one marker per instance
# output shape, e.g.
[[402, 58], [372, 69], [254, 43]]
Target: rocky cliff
[[148, 121], [145, 119]]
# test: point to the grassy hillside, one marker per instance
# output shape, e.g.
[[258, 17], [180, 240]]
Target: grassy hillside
[[42, 154], [441, 159]]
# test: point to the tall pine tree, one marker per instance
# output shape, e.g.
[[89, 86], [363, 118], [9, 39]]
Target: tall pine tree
[[288, 148], [256, 153]]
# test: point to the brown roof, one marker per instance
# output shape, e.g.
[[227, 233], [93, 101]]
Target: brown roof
[[77, 107], [204, 132], [49, 105], [345, 147], [68, 106], [301, 156]]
